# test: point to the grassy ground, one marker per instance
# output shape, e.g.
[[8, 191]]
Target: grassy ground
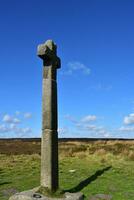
[[92, 168]]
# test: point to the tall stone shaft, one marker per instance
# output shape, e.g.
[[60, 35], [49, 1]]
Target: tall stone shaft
[[49, 144]]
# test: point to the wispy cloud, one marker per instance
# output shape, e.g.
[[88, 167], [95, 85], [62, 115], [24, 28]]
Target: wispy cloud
[[13, 128], [9, 119], [27, 115], [92, 129], [84, 126], [17, 129], [75, 66], [84, 119], [71, 118], [126, 129], [128, 120], [89, 118], [10, 124], [4, 128]]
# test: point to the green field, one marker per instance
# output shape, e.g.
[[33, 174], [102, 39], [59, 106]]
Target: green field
[[97, 168]]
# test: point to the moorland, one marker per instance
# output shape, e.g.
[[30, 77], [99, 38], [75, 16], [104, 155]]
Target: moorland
[[94, 167]]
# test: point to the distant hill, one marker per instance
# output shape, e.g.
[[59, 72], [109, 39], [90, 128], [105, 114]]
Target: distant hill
[[68, 139]]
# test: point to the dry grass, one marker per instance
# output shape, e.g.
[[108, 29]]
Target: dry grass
[[131, 155], [76, 148], [102, 148]]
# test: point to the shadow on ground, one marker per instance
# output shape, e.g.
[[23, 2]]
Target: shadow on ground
[[88, 180], [4, 183]]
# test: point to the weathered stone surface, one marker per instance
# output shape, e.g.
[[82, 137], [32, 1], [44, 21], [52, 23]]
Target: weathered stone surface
[[49, 146], [49, 159], [32, 195], [49, 105], [48, 52], [74, 196]]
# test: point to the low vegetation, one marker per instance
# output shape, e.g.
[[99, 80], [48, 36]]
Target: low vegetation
[[97, 167]]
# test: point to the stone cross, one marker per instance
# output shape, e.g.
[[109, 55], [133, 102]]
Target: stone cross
[[49, 145]]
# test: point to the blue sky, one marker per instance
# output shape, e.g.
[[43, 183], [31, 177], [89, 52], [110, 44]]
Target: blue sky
[[95, 40]]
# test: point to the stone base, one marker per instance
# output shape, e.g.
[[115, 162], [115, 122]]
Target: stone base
[[32, 195]]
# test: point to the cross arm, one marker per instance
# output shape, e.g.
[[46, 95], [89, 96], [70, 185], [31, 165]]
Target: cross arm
[[48, 53]]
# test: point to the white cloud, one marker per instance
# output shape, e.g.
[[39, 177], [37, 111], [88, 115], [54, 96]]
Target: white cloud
[[84, 126], [107, 135], [77, 66], [27, 115], [4, 128], [12, 126], [16, 120], [27, 130], [70, 118], [90, 127], [126, 129], [85, 119], [104, 132], [19, 130], [99, 130], [89, 118], [9, 119], [128, 120]]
